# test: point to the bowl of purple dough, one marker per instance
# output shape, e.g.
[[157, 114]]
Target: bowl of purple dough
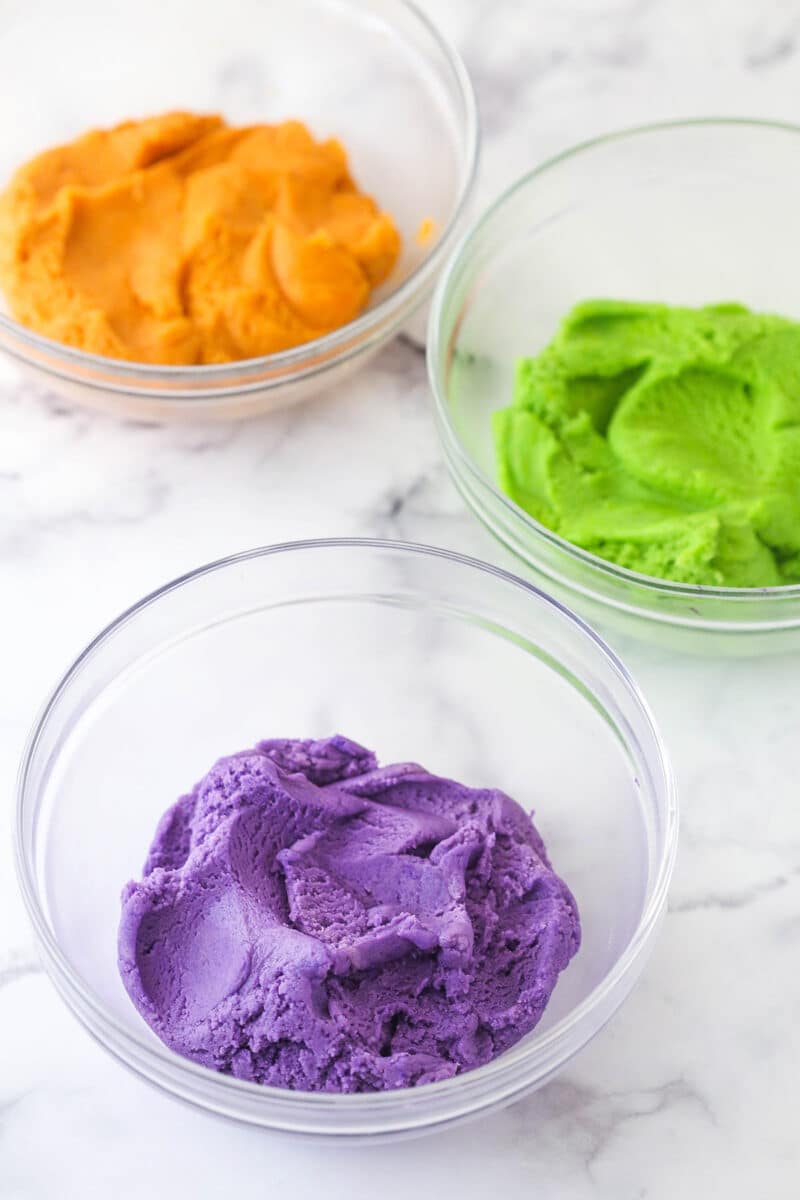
[[351, 839]]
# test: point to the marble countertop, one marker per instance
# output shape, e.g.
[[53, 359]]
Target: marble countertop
[[692, 1089]]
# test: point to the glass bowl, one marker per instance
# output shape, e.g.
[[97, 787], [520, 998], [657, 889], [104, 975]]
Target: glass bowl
[[685, 213], [374, 73], [418, 653]]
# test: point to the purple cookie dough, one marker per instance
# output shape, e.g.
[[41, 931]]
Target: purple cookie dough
[[310, 920]]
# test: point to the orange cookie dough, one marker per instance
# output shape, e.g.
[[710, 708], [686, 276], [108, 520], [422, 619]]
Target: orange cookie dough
[[179, 239]]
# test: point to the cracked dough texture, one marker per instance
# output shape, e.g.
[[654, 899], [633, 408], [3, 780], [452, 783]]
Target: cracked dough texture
[[310, 920]]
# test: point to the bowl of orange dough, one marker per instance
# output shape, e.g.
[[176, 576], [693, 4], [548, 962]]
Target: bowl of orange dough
[[234, 206]]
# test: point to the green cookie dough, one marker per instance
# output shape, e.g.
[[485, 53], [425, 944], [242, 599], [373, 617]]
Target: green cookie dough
[[664, 439]]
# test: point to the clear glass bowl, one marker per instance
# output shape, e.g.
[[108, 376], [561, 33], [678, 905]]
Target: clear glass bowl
[[686, 213], [416, 652], [375, 73]]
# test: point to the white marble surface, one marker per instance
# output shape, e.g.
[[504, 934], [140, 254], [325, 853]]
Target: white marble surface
[[692, 1090]]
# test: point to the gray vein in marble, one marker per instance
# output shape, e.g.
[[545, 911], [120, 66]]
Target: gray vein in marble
[[692, 840], [426, 498], [787, 929], [773, 52], [203, 439], [403, 356], [735, 899], [276, 431], [27, 393], [635, 1106], [151, 493], [623, 54], [589, 1120], [417, 348], [397, 501], [8, 1106], [508, 71], [500, 89], [773, 42], [16, 965]]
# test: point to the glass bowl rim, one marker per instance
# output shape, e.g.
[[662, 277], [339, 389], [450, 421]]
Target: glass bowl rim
[[455, 447], [368, 324], [103, 1023]]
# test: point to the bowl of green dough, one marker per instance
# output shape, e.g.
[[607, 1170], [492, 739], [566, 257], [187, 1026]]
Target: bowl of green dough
[[614, 352]]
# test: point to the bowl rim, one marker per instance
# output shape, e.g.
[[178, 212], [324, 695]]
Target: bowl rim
[[455, 448], [103, 1023], [367, 326]]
